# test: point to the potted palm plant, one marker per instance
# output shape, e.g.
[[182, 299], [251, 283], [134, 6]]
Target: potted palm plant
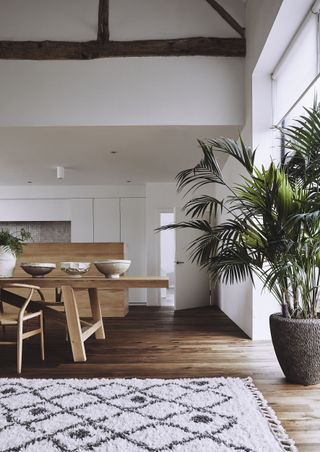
[[272, 231], [10, 249]]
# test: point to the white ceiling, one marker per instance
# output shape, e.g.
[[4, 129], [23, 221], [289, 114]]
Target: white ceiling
[[144, 154]]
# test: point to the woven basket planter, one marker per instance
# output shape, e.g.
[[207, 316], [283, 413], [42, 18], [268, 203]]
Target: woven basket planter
[[297, 346]]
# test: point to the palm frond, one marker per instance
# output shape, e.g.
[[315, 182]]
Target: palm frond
[[240, 152], [231, 266], [207, 171], [202, 248], [302, 143], [203, 205], [199, 225]]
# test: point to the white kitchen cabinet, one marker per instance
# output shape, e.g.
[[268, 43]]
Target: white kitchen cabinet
[[34, 210], [81, 220], [133, 234], [106, 225], [123, 220]]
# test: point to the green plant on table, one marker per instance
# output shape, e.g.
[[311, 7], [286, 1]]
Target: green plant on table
[[13, 243]]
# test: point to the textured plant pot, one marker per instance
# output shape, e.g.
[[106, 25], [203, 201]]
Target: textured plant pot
[[297, 346], [7, 263]]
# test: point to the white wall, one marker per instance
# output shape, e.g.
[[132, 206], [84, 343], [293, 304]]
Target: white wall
[[279, 37], [270, 24], [35, 210], [237, 300], [71, 191], [119, 91], [163, 197], [77, 19], [107, 216], [46, 19], [159, 197], [260, 16], [133, 234], [122, 91], [167, 239], [82, 220], [170, 19], [167, 251]]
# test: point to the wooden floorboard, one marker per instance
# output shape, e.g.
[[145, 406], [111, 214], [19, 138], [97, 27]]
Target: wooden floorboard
[[156, 342]]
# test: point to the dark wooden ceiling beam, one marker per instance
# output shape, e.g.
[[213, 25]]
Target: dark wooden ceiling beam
[[227, 17], [66, 50], [102, 47], [103, 21]]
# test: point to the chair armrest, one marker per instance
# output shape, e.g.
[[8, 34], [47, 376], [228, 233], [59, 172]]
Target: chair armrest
[[22, 286], [25, 286]]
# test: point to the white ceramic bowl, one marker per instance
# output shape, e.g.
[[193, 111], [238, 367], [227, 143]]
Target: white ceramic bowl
[[76, 269], [38, 269], [112, 268]]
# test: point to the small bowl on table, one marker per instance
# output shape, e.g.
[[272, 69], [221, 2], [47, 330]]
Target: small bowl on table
[[112, 268], [75, 269], [38, 269]]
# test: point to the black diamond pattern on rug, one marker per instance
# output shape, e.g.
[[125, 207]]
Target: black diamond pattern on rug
[[117, 415]]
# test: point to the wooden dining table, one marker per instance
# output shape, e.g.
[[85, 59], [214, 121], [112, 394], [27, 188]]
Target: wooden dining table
[[79, 330]]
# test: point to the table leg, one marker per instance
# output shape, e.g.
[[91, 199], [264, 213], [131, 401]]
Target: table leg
[[96, 312], [74, 326]]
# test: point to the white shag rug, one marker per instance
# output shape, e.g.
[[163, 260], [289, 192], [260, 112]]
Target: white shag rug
[[132, 415]]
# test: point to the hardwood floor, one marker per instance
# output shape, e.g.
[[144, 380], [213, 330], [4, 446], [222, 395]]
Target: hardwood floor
[[155, 342]]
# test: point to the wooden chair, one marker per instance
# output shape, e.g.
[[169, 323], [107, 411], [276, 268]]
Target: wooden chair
[[18, 319]]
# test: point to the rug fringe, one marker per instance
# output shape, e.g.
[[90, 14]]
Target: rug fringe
[[279, 432]]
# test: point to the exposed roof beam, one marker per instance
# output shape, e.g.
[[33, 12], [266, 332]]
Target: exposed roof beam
[[103, 21], [227, 17], [66, 50]]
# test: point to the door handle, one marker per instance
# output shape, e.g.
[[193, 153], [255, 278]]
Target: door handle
[[179, 262]]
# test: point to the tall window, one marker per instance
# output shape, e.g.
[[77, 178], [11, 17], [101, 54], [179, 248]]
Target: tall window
[[295, 79]]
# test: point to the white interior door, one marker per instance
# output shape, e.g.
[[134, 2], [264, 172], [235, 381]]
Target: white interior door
[[192, 284]]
